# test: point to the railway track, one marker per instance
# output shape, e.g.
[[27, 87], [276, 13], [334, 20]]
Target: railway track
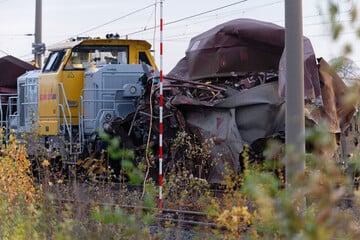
[[182, 219], [107, 195]]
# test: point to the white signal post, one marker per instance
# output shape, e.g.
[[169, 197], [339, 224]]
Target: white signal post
[[161, 110]]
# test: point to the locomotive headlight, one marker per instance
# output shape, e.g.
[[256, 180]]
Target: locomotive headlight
[[132, 89], [108, 117]]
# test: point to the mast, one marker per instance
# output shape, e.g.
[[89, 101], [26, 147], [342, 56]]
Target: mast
[[38, 46], [295, 119]]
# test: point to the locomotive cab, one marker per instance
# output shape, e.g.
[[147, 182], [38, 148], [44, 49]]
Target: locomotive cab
[[61, 81], [84, 84]]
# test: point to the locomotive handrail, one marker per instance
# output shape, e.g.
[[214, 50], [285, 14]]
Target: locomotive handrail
[[4, 119], [13, 114], [12, 101], [28, 87], [61, 107], [18, 106], [81, 124]]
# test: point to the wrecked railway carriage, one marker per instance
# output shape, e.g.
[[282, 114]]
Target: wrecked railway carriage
[[229, 90]]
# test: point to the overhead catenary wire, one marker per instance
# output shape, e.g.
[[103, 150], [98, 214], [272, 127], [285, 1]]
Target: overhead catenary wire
[[114, 20], [192, 16], [178, 20], [4, 52], [200, 17], [181, 19], [257, 7], [189, 17]]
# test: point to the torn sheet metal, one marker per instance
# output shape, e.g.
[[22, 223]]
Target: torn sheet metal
[[244, 45], [228, 88]]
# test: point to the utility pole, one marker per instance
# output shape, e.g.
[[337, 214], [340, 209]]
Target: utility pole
[[294, 117], [38, 46]]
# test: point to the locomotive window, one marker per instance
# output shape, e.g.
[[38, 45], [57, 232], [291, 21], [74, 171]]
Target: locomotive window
[[77, 61], [103, 53], [119, 56], [144, 58], [53, 62]]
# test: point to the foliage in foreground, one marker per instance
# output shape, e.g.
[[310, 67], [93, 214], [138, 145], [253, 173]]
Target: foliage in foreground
[[255, 204], [15, 173]]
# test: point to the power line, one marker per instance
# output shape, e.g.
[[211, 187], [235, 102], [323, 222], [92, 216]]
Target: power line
[[189, 17], [114, 20], [206, 12], [186, 18], [3, 50], [183, 36], [14, 35], [243, 10]]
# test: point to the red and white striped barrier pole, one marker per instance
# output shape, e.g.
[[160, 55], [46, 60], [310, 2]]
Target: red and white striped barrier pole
[[161, 110]]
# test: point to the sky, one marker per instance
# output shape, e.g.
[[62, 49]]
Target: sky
[[183, 19]]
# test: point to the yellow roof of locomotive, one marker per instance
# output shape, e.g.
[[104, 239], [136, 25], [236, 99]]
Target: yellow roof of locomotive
[[99, 41]]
